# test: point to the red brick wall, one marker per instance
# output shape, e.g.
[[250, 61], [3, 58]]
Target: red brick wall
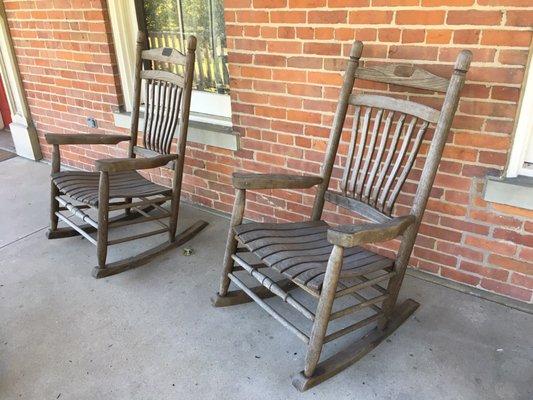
[[285, 69]]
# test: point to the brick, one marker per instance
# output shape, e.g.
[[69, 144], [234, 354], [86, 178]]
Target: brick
[[420, 17], [322, 48], [363, 17], [307, 3], [506, 38], [413, 35], [499, 247], [269, 3], [327, 17], [513, 57], [467, 36], [460, 250], [519, 18], [507, 290], [473, 17], [413, 52], [438, 36], [492, 273], [522, 280], [460, 276]]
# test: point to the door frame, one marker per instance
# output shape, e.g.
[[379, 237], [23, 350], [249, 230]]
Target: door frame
[[22, 128]]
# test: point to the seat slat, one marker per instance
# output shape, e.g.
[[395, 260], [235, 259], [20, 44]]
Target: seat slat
[[289, 254], [284, 265], [277, 248], [374, 263], [251, 226], [264, 233], [257, 244], [311, 270]]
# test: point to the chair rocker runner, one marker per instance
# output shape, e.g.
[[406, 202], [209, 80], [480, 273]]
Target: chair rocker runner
[[328, 263], [116, 186]]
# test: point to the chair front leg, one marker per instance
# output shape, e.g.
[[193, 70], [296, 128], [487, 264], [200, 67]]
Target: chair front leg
[[231, 242], [323, 311], [54, 191], [103, 219]]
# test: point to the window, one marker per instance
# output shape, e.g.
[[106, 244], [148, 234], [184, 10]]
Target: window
[[169, 23]]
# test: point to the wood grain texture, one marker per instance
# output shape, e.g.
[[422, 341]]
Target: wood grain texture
[[354, 235], [166, 55], [404, 75], [84, 138], [274, 181], [133, 164]]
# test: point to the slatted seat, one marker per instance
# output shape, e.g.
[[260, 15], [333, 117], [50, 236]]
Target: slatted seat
[[301, 252], [83, 186]]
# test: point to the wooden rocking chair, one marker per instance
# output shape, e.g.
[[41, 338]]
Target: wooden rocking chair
[[327, 262], [117, 186]]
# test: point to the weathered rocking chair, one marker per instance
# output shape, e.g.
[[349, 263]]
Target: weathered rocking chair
[[327, 262], [117, 185]]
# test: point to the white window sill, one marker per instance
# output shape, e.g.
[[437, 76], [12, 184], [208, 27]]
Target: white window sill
[[517, 192], [205, 129]]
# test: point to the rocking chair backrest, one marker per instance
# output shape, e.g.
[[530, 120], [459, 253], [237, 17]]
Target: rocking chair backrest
[[168, 97], [386, 138]]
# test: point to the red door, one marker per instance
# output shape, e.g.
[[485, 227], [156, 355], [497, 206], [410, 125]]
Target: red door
[[4, 105]]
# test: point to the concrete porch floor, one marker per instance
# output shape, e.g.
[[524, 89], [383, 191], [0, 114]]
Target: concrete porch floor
[[151, 333]]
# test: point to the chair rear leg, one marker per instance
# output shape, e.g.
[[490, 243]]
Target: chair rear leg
[[323, 311], [103, 219], [54, 207]]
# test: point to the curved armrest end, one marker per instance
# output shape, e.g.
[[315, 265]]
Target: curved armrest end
[[274, 181], [353, 235]]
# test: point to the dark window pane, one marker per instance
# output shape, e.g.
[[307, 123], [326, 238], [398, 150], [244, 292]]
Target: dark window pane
[[170, 22]]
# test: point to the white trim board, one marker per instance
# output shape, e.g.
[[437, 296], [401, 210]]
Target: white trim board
[[22, 128]]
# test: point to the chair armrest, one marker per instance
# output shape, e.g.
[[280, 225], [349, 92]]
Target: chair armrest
[[274, 181], [84, 138], [353, 235], [132, 164]]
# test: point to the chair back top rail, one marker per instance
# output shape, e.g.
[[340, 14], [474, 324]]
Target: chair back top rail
[[403, 75], [166, 55], [390, 103]]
